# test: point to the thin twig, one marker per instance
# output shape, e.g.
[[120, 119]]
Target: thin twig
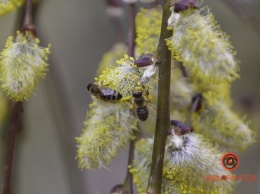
[[182, 68], [28, 12], [14, 120], [128, 183], [244, 12], [131, 35], [163, 112]]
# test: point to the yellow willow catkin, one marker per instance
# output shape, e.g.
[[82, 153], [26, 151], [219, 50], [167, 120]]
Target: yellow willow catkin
[[185, 168], [109, 126], [203, 48], [22, 64], [7, 6], [148, 28], [219, 123]]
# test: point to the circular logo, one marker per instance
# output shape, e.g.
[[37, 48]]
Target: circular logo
[[230, 161]]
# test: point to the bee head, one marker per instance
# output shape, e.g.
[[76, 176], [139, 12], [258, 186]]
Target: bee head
[[137, 94]]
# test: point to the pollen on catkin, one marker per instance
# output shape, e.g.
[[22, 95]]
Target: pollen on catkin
[[7, 6], [124, 77], [203, 48], [148, 28], [185, 168], [188, 165], [220, 124], [108, 128], [22, 64]]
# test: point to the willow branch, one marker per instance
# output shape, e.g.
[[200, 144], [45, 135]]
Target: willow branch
[[14, 120], [163, 112], [128, 183], [131, 35]]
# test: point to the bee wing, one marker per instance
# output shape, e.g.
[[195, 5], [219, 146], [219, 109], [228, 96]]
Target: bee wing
[[107, 91]]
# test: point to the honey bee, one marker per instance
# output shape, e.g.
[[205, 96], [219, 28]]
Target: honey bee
[[140, 108], [104, 93]]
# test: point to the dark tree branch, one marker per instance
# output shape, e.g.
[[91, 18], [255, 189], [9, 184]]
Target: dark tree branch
[[131, 35], [14, 121], [128, 183], [163, 112]]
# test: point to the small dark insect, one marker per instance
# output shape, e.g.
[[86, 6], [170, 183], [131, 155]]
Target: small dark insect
[[145, 60], [104, 93], [183, 5], [179, 127], [117, 189], [196, 103], [140, 107]]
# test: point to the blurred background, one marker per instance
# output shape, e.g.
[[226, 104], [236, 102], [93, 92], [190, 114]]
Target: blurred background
[[80, 31]]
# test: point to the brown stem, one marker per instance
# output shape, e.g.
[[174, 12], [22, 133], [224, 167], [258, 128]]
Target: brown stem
[[28, 19], [128, 183], [14, 120], [131, 35], [28, 12], [183, 70], [163, 111]]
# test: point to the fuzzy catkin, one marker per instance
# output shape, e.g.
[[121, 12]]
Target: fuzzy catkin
[[7, 6], [148, 28], [203, 48], [220, 124], [22, 64], [108, 128], [184, 168]]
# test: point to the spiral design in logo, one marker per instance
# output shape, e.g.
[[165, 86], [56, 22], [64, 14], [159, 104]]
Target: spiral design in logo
[[230, 161]]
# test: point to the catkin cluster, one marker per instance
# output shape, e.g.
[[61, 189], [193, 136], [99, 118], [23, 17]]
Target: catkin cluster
[[202, 71], [110, 125], [22, 64], [185, 167], [203, 48]]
